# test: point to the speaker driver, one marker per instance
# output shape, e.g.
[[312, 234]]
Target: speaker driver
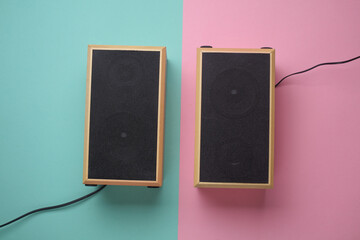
[[236, 158], [124, 71], [233, 94], [122, 153], [123, 137]]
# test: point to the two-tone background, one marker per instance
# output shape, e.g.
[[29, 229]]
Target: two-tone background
[[43, 47]]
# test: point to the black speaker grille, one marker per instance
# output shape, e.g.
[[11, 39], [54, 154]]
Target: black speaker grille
[[235, 117], [124, 114]]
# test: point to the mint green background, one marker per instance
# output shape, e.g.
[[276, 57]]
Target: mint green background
[[43, 54]]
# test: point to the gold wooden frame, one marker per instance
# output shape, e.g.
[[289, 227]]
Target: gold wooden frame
[[160, 124], [197, 182]]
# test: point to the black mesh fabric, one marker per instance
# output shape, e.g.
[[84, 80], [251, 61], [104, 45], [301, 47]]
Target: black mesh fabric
[[123, 114], [235, 118]]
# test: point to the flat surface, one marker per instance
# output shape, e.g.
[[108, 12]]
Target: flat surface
[[317, 115], [42, 102], [235, 118], [124, 114]]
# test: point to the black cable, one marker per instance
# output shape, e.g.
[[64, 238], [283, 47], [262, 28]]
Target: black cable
[[54, 207], [321, 64]]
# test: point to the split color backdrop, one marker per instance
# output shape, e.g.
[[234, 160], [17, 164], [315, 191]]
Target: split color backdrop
[[42, 103]]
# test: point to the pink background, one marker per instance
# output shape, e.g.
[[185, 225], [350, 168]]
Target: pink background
[[317, 136]]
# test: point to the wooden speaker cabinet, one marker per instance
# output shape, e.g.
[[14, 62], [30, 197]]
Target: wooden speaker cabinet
[[234, 138], [124, 116]]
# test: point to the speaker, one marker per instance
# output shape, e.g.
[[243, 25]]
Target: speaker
[[124, 115], [234, 138]]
